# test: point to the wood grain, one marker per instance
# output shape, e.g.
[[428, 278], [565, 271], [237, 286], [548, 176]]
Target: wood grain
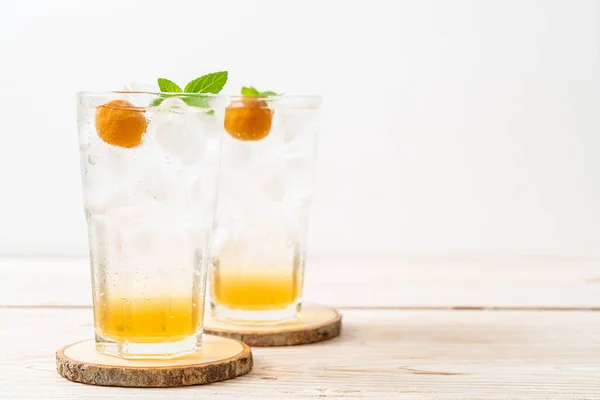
[[220, 359], [315, 324], [532, 282], [383, 354], [413, 329]]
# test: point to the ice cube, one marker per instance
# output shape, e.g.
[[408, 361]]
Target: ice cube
[[115, 177], [186, 133], [297, 124], [236, 156], [142, 97], [151, 235], [300, 132], [299, 184], [103, 175]]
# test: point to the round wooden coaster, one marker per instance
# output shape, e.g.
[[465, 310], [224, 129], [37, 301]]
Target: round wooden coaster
[[314, 324], [219, 359]]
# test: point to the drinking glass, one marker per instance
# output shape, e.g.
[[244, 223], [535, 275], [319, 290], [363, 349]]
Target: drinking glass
[[149, 175], [266, 188]]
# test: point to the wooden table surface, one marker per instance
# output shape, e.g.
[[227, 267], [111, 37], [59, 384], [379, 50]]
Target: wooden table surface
[[526, 328]]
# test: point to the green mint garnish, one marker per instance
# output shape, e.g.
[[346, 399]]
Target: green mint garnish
[[156, 102], [168, 86], [209, 83], [250, 91]]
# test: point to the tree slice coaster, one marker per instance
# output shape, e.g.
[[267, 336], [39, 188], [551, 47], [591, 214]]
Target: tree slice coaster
[[314, 324], [219, 359]]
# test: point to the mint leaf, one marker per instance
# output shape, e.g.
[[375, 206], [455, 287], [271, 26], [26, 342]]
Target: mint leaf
[[156, 102], [168, 86], [196, 101], [165, 85], [209, 83], [249, 91], [193, 101]]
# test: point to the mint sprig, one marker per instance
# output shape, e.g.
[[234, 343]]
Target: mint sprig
[[250, 91], [168, 86], [209, 83]]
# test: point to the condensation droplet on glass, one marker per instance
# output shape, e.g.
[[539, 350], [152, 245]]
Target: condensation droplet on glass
[[193, 304], [147, 297], [92, 159]]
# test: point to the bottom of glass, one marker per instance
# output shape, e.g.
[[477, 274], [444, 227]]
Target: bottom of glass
[[130, 350], [262, 317]]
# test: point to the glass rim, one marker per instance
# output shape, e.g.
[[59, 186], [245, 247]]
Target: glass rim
[[292, 95]]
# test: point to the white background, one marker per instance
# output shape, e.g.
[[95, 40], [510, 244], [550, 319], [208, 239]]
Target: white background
[[449, 127]]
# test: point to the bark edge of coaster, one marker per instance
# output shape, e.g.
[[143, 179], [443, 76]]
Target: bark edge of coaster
[[219, 359], [315, 323]]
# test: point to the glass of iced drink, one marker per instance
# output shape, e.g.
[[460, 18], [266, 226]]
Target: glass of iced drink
[[266, 187], [149, 176]]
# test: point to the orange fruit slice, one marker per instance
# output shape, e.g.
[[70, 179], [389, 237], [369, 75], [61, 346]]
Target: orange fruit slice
[[121, 124], [248, 119]]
